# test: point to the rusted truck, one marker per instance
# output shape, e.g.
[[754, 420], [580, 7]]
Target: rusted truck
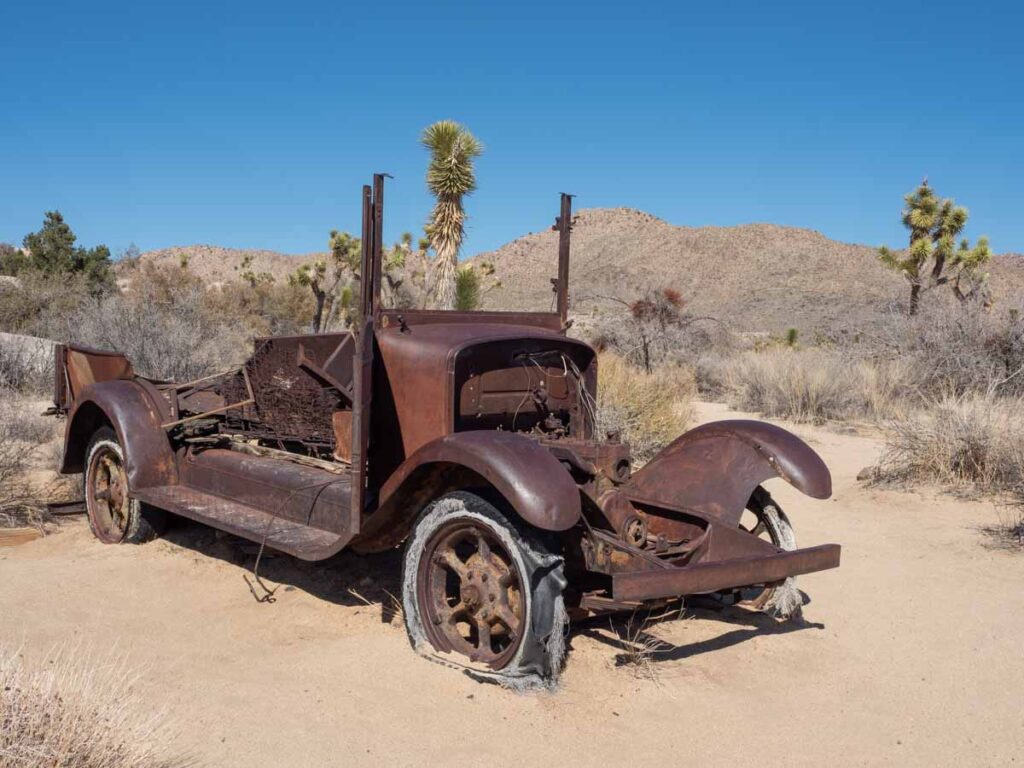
[[470, 437]]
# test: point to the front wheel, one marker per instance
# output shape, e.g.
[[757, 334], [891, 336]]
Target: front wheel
[[114, 516], [479, 585], [765, 519]]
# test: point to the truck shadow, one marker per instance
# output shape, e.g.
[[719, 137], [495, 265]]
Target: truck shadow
[[347, 579], [355, 580], [632, 637]]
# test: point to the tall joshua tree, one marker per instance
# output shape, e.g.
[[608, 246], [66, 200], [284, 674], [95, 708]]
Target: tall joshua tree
[[932, 258], [450, 177]]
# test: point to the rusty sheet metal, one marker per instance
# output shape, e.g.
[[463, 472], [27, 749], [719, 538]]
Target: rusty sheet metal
[[420, 363], [723, 574], [715, 468], [282, 534], [521, 470], [304, 494], [77, 366], [136, 419]]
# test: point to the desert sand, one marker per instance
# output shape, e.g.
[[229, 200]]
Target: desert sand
[[910, 654]]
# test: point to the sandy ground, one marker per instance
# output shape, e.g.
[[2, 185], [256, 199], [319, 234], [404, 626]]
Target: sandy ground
[[910, 654]]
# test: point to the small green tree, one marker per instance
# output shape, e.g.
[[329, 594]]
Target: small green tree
[[470, 285], [467, 289], [450, 177], [932, 258], [52, 251]]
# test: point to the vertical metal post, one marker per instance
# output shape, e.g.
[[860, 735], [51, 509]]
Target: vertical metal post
[[365, 257], [562, 286], [378, 236]]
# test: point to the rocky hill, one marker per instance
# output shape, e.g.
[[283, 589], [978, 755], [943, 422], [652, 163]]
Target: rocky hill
[[217, 265], [757, 277]]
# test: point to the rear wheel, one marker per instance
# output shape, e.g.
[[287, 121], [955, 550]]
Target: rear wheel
[[479, 585], [765, 519], [114, 516]]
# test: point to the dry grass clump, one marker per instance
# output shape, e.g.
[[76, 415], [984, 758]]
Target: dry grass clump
[[76, 712], [24, 434], [965, 443], [648, 409], [815, 385], [959, 441]]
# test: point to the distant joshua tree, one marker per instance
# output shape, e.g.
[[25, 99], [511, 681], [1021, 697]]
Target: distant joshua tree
[[332, 298], [450, 177], [933, 259]]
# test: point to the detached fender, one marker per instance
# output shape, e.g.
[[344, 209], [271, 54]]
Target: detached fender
[[136, 420], [715, 468], [534, 483]]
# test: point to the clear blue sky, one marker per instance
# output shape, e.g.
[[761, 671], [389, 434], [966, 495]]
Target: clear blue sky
[[254, 124]]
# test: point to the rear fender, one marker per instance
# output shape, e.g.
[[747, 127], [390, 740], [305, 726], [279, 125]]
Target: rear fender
[[526, 475], [715, 468], [135, 418]]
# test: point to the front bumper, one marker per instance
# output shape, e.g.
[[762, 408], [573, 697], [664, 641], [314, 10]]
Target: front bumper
[[702, 578]]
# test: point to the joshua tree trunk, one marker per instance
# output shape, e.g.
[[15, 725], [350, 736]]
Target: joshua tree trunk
[[445, 269]]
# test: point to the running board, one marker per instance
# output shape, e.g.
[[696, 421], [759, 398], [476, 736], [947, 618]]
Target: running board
[[279, 533]]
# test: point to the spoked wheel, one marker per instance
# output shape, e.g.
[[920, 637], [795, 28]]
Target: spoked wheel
[[766, 520], [472, 594], [478, 585], [114, 516]]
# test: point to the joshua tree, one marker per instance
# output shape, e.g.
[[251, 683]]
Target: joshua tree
[[325, 280], [932, 259], [449, 178]]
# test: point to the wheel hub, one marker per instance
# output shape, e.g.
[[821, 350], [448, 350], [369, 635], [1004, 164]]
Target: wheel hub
[[107, 497]]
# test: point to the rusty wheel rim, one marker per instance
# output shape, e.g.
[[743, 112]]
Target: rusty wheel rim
[[471, 594], [757, 596], [107, 495]]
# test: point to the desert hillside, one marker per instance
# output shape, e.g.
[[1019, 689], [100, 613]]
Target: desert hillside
[[215, 264], [760, 277]]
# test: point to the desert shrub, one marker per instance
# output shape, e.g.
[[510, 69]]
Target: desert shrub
[[76, 712], [962, 441], [649, 410], [26, 363], [654, 329], [814, 385], [955, 348], [41, 305], [264, 308], [23, 433], [165, 324]]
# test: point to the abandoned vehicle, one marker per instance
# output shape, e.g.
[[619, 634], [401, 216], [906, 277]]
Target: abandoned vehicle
[[470, 437]]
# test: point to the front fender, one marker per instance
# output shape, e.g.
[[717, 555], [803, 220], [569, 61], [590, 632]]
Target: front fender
[[533, 481], [124, 404], [716, 467], [528, 477]]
